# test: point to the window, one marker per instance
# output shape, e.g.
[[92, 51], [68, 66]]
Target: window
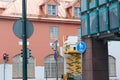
[[79, 33], [77, 12], [52, 10], [112, 66], [54, 33], [17, 67], [50, 66]]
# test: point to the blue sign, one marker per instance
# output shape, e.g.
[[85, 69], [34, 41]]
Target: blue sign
[[81, 47], [56, 55]]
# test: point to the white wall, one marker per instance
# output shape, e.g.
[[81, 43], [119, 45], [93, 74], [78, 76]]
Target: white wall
[[8, 70], [114, 50], [39, 73]]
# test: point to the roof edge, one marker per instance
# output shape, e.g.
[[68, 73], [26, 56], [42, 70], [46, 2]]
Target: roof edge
[[67, 21]]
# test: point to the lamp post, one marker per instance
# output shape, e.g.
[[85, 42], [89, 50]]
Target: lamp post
[[24, 40], [55, 48]]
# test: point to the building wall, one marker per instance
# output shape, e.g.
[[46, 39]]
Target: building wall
[[39, 42], [8, 73]]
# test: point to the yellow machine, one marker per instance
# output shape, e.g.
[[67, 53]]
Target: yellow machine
[[73, 60]]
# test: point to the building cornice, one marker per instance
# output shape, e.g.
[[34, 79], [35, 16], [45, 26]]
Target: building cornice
[[49, 20]]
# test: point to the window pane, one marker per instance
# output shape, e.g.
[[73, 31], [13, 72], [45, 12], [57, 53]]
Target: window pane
[[49, 7], [53, 7], [77, 12], [52, 66], [17, 67], [103, 19], [49, 12], [54, 33], [102, 2], [93, 23], [79, 33], [113, 14], [84, 25], [92, 4], [112, 66], [84, 5]]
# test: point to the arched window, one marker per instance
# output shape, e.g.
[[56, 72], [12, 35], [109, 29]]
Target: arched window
[[112, 66], [50, 66], [17, 67]]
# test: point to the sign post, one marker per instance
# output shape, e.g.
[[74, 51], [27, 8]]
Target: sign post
[[81, 47], [55, 57], [55, 48], [23, 29]]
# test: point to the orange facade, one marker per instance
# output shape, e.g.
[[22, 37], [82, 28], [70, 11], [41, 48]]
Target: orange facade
[[37, 13], [39, 42]]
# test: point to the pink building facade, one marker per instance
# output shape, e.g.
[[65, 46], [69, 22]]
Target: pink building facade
[[52, 20]]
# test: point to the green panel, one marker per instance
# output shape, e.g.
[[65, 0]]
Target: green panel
[[112, 0], [84, 24], [103, 20], [101, 2], [92, 4], [114, 16], [93, 19], [84, 5]]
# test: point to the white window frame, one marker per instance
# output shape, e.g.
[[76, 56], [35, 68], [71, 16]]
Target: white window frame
[[54, 33], [51, 10]]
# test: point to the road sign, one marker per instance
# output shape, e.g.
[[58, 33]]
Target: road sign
[[81, 47], [56, 55], [17, 28], [54, 45]]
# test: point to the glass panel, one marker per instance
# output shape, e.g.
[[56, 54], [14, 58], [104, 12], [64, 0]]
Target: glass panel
[[111, 0], [31, 70], [49, 7], [15, 70], [79, 33], [20, 69], [103, 19], [92, 4], [84, 5], [77, 12], [54, 12], [113, 15], [93, 23], [102, 2], [84, 25], [53, 7]]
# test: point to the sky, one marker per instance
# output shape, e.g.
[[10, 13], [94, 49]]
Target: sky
[[114, 50]]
